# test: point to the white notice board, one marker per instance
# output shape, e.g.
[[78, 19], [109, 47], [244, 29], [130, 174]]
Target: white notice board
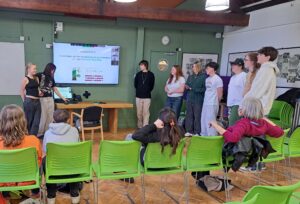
[[12, 67]]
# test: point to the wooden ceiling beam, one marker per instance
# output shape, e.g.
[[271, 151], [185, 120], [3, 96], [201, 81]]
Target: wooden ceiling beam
[[91, 8]]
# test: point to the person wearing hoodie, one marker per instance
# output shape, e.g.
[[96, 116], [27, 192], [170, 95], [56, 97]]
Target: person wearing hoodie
[[264, 83], [61, 132]]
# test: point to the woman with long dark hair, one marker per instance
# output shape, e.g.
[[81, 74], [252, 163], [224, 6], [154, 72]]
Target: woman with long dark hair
[[47, 87], [164, 130], [30, 94], [174, 89]]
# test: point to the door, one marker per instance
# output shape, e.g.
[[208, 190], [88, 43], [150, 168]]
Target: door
[[158, 62]]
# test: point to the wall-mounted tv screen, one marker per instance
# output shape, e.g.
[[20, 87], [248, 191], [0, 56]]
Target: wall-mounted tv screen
[[78, 63]]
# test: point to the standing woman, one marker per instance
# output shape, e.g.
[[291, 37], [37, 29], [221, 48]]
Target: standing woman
[[30, 95], [47, 86], [235, 89], [174, 89], [252, 66], [195, 87]]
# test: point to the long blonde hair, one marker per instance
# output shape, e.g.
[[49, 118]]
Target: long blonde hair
[[13, 125]]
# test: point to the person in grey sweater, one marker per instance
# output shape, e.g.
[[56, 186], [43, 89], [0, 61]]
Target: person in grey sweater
[[61, 132]]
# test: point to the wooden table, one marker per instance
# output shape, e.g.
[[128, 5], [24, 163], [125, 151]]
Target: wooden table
[[111, 106]]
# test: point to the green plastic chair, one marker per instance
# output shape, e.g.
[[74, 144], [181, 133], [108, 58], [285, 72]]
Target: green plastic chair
[[162, 163], [292, 149], [69, 159], [281, 114], [19, 165], [251, 201], [278, 145], [197, 158], [272, 194], [118, 160]]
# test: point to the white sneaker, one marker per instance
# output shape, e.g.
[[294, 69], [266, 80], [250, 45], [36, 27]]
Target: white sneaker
[[50, 200], [187, 134], [75, 200]]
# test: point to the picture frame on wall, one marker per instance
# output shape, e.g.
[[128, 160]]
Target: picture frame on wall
[[288, 62], [188, 59], [232, 57]]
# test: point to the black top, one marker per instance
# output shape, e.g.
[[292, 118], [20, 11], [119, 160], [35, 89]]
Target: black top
[[46, 84], [144, 83], [32, 88], [148, 134]]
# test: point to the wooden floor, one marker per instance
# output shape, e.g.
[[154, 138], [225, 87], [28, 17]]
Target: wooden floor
[[112, 192]]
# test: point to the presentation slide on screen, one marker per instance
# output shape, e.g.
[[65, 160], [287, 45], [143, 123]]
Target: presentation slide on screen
[[86, 63]]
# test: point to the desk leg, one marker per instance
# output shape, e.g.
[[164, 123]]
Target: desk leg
[[71, 117], [113, 120]]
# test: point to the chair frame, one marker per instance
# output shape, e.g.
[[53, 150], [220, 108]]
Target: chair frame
[[80, 116]]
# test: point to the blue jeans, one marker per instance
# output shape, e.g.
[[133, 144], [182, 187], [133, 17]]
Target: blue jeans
[[175, 104]]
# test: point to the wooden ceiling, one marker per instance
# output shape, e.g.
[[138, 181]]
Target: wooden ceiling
[[162, 10]]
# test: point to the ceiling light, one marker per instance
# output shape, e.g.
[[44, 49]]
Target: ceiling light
[[216, 5], [125, 1]]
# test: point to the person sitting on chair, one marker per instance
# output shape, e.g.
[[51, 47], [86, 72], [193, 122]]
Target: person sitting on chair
[[61, 132]]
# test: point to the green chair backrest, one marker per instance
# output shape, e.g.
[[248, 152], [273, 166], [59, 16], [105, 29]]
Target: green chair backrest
[[277, 143], [69, 159], [294, 143], [276, 110], [204, 152], [154, 158], [19, 165], [271, 194], [122, 157], [287, 115]]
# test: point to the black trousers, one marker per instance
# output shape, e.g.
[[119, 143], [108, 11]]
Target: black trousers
[[32, 109], [52, 188], [193, 117]]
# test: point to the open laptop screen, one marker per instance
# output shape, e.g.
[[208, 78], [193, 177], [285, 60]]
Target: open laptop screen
[[65, 91]]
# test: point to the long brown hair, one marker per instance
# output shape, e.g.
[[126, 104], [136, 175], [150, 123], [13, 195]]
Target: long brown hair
[[253, 58], [13, 125], [178, 74], [170, 134]]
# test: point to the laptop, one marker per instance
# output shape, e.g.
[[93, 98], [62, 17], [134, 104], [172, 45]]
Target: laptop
[[65, 92]]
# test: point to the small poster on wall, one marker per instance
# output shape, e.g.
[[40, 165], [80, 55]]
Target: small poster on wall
[[288, 62], [189, 59]]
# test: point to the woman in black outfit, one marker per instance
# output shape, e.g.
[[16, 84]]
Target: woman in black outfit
[[30, 95], [164, 130]]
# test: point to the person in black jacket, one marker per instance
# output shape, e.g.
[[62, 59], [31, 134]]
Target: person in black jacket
[[143, 83]]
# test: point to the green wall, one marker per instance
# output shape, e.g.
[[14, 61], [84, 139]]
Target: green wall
[[137, 39]]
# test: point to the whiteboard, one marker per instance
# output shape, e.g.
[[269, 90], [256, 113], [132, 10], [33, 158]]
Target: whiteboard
[[12, 67]]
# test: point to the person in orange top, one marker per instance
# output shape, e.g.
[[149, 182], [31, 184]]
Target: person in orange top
[[14, 135]]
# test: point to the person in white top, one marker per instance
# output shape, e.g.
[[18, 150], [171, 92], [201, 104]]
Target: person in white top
[[212, 98], [174, 89], [236, 89]]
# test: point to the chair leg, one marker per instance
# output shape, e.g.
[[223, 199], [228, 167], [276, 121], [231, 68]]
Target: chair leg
[[186, 188], [227, 193], [101, 130], [143, 189], [92, 135], [82, 135]]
